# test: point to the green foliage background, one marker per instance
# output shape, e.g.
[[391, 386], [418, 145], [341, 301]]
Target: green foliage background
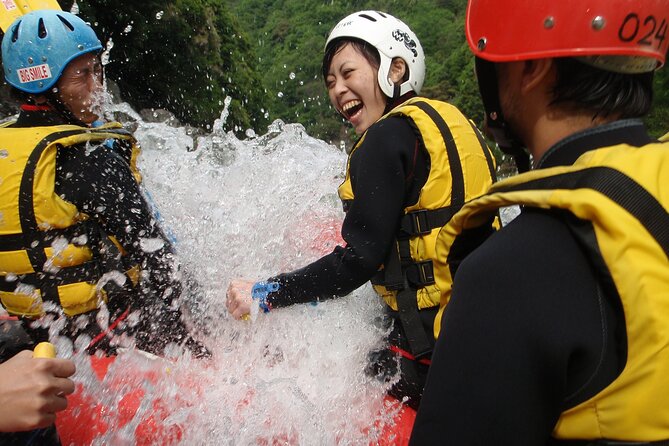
[[290, 35], [186, 56], [289, 38], [189, 55]]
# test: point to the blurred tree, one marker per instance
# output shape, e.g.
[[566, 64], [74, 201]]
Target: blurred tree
[[183, 55]]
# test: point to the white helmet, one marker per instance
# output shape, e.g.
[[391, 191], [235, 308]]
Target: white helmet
[[392, 38]]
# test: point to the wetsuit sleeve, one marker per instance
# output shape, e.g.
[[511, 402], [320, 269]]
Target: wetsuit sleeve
[[380, 171], [521, 336]]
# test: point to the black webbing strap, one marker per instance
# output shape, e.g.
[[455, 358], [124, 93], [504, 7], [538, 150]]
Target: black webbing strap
[[11, 242], [458, 186], [27, 217], [423, 221], [618, 187], [407, 301], [17, 242], [413, 328], [86, 272], [486, 152]]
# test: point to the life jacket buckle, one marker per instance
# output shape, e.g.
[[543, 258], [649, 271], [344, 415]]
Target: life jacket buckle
[[419, 222], [421, 274], [426, 272]]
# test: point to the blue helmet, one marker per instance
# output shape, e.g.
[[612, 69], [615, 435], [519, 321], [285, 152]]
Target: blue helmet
[[38, 46]]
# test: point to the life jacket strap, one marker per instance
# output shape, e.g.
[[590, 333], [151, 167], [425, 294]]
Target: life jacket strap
[[407, 305], [423, 221], [395, 276], [405, 354], [85, 272]]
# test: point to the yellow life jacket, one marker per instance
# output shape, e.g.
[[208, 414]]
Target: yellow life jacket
[[461, 168], [49, 250], [623, 192]]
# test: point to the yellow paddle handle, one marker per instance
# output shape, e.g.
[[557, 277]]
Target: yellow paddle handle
[[11, 10], [44, 350]]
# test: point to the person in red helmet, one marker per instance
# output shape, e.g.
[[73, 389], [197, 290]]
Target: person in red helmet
[[554, 330]]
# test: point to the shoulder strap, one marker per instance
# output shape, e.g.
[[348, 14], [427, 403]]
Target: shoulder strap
[[29, 226], [615, 185]]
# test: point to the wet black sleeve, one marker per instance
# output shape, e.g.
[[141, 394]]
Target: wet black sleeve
[[99, 182], [520, 337], [380, 171]]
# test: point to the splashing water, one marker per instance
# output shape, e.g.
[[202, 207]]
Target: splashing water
[[248, 208]]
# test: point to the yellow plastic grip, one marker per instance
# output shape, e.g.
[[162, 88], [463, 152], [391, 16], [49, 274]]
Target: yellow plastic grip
[[44, 350]]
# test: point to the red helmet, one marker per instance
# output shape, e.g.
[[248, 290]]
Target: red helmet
[[599, 31]]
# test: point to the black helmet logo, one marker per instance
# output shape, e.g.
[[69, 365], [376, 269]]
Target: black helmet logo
[[402, 36]]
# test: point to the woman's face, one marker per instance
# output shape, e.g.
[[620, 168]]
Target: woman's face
[[353, 88]]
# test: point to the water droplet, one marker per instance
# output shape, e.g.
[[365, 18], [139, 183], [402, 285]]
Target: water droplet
[[159, 15], [151, 244], [4, 153], [280, 94], [291, 75]]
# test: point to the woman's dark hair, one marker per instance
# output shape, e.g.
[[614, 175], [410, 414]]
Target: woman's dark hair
[[604, 93], [368, 52]]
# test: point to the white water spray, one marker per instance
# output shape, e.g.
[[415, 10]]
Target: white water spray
[[252, 208]]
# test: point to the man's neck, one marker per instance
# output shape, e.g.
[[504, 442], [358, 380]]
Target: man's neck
[[551, 128]]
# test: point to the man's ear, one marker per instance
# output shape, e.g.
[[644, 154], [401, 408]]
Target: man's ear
[[535, 72], [397, 70]]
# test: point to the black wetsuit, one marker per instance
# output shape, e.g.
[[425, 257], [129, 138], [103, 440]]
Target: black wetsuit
[[524, 336], [387, 173], [98, 180]]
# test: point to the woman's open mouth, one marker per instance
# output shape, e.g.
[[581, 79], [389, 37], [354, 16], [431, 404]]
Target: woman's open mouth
[[351, 108]]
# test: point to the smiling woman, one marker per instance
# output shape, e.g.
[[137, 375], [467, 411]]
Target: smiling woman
[[352, 86], [405, 177]]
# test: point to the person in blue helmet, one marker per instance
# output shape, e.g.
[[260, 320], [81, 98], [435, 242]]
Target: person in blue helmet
[[81, 253]]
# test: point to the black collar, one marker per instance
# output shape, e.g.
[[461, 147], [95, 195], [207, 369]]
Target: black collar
[[626, 131], [39, 118]]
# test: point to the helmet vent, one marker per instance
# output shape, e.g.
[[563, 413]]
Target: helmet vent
[[368, 17], [66, 22], [15, 32], [41, 29]]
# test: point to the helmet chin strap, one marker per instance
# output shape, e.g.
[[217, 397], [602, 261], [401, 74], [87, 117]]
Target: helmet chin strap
[[397, 98], [505, 137]]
